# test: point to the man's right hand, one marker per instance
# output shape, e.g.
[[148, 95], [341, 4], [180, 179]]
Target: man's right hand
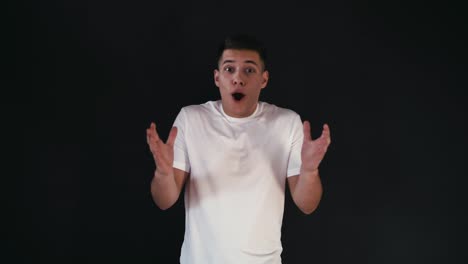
[[163, 153]]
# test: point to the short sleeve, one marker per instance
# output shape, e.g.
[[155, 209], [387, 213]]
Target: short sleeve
[[297, 137], [181, 159]]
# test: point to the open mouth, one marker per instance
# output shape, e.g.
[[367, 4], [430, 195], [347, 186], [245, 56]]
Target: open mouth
[[238, 96]]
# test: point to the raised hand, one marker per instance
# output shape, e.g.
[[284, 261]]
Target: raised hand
[[313, 151], [163, 153]]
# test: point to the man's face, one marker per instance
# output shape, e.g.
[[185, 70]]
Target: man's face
[[240, 78]]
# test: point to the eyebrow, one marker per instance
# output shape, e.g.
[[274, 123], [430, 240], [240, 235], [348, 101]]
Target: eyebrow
[[246, 61]]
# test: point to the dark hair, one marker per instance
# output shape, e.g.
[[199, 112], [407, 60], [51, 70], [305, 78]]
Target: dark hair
[[242, 42]]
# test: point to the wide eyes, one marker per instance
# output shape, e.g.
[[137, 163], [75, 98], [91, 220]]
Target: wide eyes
[[229, 69], [247, 70], [250, 70]]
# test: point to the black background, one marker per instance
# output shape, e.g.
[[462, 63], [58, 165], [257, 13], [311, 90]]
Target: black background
[[89, 77]]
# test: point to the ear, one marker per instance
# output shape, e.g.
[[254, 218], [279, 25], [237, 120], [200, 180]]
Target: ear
[[265, 76], [216, 77]]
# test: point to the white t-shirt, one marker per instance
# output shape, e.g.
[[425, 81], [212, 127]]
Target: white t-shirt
[[234, 196]]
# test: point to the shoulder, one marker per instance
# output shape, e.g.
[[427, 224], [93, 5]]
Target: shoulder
[[275, 111], [205, 109]]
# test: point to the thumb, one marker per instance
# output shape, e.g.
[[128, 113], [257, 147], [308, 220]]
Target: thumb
[[172, 136], [307, 135]]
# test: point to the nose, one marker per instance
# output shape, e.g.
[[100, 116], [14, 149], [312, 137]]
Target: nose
[[237, 80]]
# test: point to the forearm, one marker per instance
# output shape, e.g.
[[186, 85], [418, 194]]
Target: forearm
[[308, 191], [164, 190]]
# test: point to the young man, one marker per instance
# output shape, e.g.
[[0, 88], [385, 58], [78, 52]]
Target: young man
[[234, 156]]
